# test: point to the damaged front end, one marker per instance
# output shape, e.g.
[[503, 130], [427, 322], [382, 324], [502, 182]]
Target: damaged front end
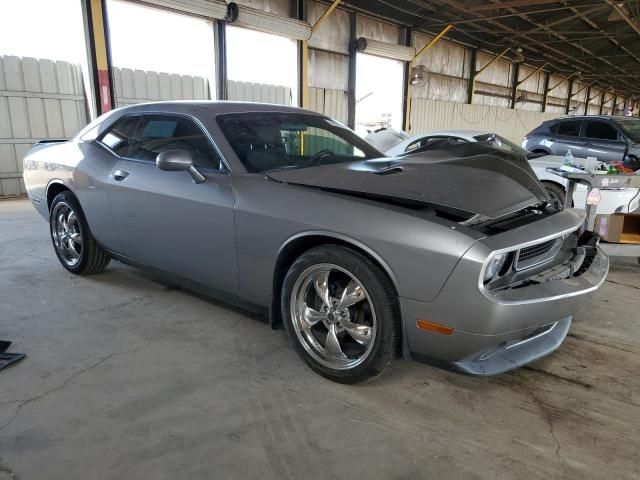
[[522, 310]]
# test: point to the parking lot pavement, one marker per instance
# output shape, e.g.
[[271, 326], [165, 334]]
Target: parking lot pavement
[[127, 377]]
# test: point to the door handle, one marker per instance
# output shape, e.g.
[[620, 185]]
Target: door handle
[[120, 175]]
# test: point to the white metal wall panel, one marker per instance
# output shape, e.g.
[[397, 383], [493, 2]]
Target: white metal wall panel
[[328, 70], [259, 92], [443, 57], [39, 99], [138, 86], [430, 115], [375, 29], [277, 7], [333, 33], [333, 103]]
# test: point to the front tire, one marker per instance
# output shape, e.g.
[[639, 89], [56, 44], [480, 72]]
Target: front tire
[[342, 314], [72, 241]]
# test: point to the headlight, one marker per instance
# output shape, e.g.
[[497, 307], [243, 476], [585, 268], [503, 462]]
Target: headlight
[[494, 266]]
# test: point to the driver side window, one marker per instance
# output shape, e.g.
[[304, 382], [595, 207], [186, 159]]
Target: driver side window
[[143, 137]]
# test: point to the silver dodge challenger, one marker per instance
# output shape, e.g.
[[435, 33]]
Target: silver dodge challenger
[[454, 258]]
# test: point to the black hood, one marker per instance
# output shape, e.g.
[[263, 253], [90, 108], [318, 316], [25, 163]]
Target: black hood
[[472, 177]]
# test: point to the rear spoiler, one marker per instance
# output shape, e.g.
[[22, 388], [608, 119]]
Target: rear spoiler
[[51, 140]]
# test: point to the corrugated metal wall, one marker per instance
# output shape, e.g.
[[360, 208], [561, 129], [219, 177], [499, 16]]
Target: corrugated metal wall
[[137, 86], [259, 92], [430, 115], [39, 99], [333, 103]]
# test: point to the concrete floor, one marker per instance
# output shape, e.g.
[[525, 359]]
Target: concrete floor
[[127, 378]]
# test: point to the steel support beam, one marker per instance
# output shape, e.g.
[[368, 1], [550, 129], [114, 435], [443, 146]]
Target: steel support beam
[[406, 86], [586, 104], [351, 84], [547, 76], [569, 95], [221, 60], [303, 60], [96, 26], [472, 74], [514, 82]]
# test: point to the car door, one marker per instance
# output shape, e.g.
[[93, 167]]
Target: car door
[[603, 141], [563, 136], [164, 219]]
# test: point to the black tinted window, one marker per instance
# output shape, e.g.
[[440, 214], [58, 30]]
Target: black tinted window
[[601, 130], [143, 137], [569, 127], [121, 135]]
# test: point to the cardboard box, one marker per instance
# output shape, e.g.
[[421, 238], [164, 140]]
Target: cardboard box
[[619, 227]]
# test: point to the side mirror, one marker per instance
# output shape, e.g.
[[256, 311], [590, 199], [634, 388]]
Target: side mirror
[[179, 161]]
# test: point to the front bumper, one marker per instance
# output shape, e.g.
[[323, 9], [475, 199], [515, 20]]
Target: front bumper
[[497, 331]]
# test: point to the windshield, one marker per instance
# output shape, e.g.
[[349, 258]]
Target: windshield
[[631, 128], [266, 141], [501, 143]]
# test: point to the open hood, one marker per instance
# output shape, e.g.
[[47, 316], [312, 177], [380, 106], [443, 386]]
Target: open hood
[[472, 177]]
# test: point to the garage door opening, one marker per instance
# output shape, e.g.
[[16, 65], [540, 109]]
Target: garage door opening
[[261, 67], [378, 93], [160, 55]]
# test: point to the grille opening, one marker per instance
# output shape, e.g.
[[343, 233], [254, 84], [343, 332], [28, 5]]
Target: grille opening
[[539, 253]]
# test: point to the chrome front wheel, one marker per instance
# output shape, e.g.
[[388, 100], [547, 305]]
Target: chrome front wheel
[[66, 233], [333, 316]]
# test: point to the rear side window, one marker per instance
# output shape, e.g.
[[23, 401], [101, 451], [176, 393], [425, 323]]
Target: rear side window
[[143, 137], [569, 128], [601, 130]]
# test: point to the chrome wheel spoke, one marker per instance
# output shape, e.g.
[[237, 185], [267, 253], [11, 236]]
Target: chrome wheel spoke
[[321, 285], [332, 344], [352, 294], [360, 333], [311, 316], [76, 237], [66, 234], [71, 220]]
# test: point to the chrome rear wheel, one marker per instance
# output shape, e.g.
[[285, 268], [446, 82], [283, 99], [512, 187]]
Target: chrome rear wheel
[[67, 234], [333, 316]]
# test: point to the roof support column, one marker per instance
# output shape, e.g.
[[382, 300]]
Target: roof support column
[[303, 59], [221, 59], [406, 86], [351, 110], [472, 74], [588, 99], [569, 95], [96, 27], [547, 76], [514, 82]]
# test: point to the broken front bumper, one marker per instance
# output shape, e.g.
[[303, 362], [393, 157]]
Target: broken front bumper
[[494, 331]]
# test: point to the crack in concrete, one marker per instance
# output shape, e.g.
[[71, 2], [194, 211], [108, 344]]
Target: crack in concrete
[[622, 284], [584, 338], [24, 402], [549, 418], [558, 377]]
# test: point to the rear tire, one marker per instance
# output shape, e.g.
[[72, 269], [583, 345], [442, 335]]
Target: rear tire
[[557, 194], [341, 313], [72, 240]]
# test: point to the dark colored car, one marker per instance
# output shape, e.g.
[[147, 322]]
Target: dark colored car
[[608, 138]]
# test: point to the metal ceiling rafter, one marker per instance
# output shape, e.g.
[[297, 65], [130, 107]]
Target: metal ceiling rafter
[[526, 18]]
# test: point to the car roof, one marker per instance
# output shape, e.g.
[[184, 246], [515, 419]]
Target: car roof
[[590, 117], [214, 107]]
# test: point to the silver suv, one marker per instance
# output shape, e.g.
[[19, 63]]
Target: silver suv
[[608, 138]]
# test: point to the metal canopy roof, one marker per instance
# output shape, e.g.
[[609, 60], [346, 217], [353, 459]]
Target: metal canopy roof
[[600, 39]]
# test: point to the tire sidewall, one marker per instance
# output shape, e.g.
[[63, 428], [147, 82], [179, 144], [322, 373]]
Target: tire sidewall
[[70, 200], [386, 342]]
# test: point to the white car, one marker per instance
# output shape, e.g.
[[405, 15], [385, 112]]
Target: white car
[[622, 200]]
